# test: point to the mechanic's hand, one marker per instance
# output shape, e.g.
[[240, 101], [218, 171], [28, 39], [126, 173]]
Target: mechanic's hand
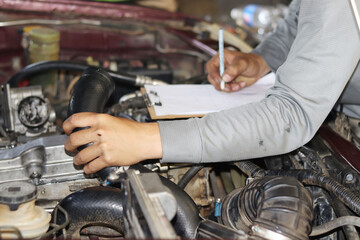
[[115, 141], [241, 70]]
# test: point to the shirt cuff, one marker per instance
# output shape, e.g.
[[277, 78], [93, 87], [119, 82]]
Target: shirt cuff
[[181, 141]]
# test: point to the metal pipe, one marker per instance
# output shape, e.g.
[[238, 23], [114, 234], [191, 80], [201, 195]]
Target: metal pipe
[[50, 22]]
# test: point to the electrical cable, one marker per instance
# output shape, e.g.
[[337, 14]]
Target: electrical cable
[[341, 211], [307, 177], [250, 169], [338, 222]]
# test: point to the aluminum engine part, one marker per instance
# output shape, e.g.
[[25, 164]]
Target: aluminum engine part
[[198, 188], [157, 205], [33, 160], [44, 162], [26, 111]]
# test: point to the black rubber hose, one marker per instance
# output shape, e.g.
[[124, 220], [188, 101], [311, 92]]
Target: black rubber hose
[[187, 218], [183, 182], [95, 206], [35, 68], [90, 94]]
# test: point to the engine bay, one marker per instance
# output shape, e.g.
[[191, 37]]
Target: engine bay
[[99, 55]]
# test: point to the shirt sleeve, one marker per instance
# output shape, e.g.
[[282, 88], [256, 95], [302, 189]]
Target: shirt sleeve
[[275, 48], [318, 65]]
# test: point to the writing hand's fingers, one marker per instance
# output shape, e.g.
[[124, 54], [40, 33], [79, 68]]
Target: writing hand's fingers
[[212, 68], [214, 82], [234, 70]]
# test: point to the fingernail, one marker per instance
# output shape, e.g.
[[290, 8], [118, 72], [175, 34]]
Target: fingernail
[[236, 87], [86, 169], [227, 78], [242, 84]]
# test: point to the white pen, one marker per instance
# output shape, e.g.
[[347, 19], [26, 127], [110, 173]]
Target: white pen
[[221, 58]]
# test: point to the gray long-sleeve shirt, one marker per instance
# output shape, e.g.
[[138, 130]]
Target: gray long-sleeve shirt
[[313, 52]]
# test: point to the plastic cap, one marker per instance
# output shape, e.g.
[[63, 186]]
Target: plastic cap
[[44, 35], [16, 193]]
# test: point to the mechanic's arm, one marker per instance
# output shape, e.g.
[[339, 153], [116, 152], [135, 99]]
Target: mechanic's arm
[[318, 66], [115, 141], [275, 47]]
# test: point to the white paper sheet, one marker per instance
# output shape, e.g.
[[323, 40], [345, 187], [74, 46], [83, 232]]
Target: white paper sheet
[[192, 99]]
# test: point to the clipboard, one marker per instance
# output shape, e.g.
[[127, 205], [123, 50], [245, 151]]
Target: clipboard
[[196, 100], [150, 106]]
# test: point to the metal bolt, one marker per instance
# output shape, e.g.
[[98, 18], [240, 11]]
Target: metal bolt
[[349, 177]]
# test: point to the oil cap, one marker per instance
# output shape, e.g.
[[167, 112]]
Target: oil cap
[[14, 194]]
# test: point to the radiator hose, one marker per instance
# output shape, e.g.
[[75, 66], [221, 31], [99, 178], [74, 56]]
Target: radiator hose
[[187, 218], [95, 206]]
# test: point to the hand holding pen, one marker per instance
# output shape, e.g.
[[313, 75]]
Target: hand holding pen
[[231, 71]]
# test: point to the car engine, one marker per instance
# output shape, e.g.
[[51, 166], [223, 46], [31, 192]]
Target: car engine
[[95, 57]]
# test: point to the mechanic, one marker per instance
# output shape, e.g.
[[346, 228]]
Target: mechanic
[[314, 52]]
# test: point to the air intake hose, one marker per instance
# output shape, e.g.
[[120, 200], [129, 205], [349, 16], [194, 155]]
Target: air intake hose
[[270, 206], [90, 94], [307, 177]]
